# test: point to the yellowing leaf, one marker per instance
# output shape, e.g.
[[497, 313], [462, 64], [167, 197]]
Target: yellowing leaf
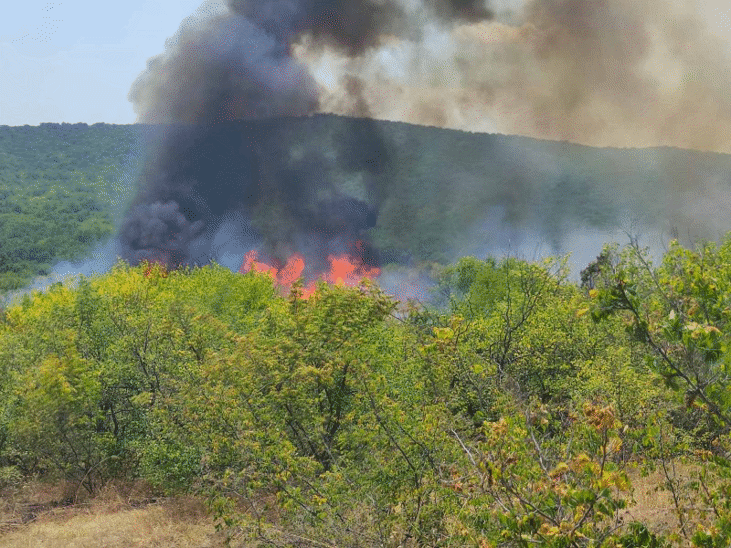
[[614, 445], [549, 530], [580, 460], [621, 482], [561, 468]]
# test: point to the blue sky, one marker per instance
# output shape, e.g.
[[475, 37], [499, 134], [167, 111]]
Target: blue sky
[[74, 60]]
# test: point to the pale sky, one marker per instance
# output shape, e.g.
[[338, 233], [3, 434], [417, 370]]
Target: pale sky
[[75, 60]]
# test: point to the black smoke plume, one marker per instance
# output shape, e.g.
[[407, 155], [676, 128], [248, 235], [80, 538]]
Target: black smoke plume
[[222, 173]]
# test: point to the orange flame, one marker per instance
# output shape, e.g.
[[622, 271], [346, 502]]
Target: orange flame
[[343, 271], [155, 269]]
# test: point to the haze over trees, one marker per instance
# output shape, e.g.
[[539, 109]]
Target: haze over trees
[[443, 193]]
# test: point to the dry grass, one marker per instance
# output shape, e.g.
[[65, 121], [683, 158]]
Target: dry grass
[[126, 516], [118, 517], [653, 503]]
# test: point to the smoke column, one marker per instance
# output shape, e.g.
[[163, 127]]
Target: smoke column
[[226, 173], [217, 177], [619, 73]]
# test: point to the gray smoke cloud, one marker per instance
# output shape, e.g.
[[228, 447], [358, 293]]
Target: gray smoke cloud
[[222, 66], [600, 72], [231, 64], [233, 60]]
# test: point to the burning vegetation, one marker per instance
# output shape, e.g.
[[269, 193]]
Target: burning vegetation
[[225, 164], [345, 269], [216, 164]]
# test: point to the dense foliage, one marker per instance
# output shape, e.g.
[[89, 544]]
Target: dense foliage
[[515, 411], [62, 187], [512, 414], [437, 193]]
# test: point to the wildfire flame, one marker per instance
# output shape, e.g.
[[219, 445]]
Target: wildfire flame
[[344, 270]]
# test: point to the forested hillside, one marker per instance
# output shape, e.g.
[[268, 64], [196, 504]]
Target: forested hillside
[[439, 194], [519, 412], [61, 188]]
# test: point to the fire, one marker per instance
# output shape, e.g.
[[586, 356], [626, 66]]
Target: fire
[[251, 263], [155, 269], [344, 270]]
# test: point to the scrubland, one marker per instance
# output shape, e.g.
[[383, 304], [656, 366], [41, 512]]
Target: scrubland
[[516, 408]]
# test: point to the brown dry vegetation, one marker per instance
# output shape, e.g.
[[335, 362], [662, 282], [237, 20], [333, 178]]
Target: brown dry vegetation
[[653, 503], [130, 516], [120, 516]]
